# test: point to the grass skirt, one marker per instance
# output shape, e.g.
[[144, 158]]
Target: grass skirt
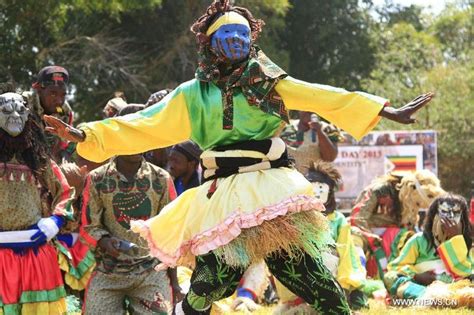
[[249, 216]]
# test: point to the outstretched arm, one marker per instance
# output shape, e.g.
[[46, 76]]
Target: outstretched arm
[[161, 125], [354, 112]]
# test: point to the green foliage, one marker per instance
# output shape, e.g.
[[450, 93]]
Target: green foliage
[[27, 27], [112, 7], [393, 14], [272, 40], [329, 42], [279, 7], [454, 29], [402, 52], [452, 115], [410, 62]]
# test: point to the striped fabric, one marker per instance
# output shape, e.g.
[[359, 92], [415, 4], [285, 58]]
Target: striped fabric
[[17, 239], [243, 157], [455, 255]]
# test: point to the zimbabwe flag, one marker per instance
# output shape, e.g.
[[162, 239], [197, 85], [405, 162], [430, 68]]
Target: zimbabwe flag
[[401, 163]]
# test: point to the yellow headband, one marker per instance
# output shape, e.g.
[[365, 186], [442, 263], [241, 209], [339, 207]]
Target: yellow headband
[[230, 17]]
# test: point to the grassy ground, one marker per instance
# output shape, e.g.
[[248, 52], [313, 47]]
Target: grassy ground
[[378, 308]]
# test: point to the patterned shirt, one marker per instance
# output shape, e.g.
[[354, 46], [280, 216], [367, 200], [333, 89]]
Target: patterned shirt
[[112, 201], [304, 146]]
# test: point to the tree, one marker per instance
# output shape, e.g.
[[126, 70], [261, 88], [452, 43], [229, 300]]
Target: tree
[[329, 42], [392, 14], [109, 45], [454, 29], [402, 53], [75, 34], [410, 62], [452, 115]]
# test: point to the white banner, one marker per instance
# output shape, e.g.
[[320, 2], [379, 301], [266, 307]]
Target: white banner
[[359, 165], [381, 152]]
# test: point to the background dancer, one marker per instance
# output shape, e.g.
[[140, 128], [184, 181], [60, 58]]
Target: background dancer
[[35, 200], [440, 252]]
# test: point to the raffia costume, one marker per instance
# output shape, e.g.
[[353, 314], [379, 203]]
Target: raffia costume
[[201, 224], [304, 148]]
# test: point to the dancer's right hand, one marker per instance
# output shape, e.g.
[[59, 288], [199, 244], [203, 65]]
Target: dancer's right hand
[[61, 129], [110, 245]]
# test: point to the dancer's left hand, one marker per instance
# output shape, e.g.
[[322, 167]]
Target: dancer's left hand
[[404, 114]]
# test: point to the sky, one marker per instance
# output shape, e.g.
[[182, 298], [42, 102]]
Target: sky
[[434, 6]]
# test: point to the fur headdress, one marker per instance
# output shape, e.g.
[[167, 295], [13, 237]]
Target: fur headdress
[[416, 191]]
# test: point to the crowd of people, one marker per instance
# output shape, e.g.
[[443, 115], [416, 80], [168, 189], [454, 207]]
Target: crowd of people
[[208, 196]]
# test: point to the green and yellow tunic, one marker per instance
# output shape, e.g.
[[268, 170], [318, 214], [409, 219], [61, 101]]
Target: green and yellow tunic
[[195, 224], [449, 261]]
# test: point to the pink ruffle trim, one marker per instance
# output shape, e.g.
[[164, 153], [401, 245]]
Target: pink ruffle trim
[[228, 230]]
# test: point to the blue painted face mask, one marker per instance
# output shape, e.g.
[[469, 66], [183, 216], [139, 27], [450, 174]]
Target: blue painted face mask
[[232, 41]]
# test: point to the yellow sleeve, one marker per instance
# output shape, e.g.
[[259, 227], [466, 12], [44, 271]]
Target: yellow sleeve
[[354, 112], [161, 125], [455, 256]]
